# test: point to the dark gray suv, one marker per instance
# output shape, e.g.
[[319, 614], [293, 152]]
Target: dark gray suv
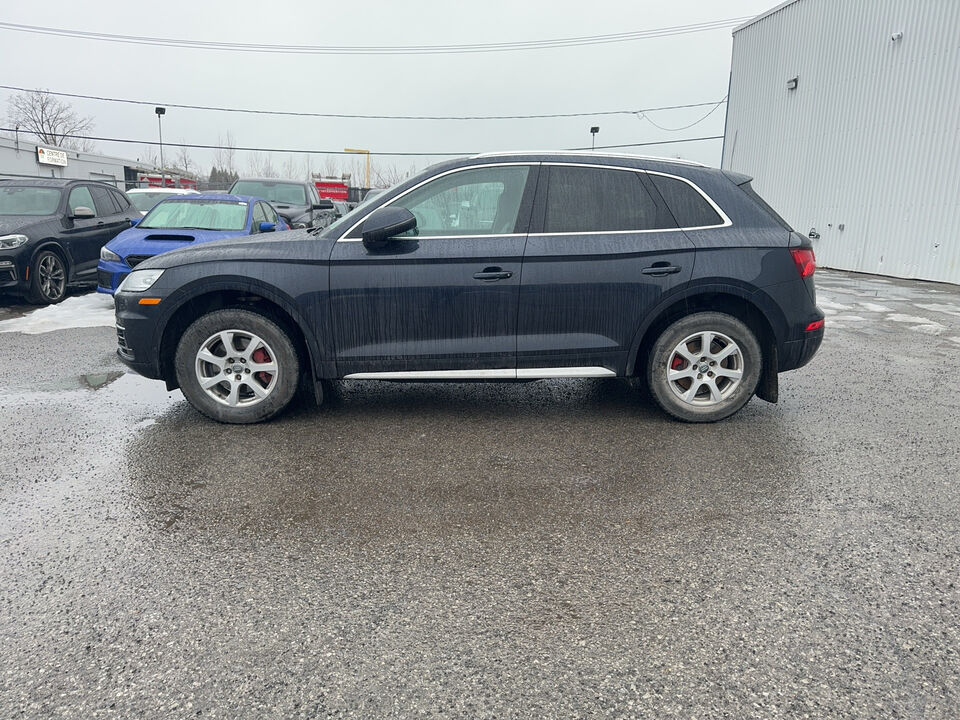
[[298, 203], [506, 267]]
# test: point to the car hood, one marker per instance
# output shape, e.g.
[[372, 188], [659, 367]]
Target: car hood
[[150, 241], [287, 246], [290, 211], [10, 224]]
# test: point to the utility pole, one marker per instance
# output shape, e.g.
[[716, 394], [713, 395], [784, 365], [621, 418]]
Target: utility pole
[[362, 152], [160, 111]]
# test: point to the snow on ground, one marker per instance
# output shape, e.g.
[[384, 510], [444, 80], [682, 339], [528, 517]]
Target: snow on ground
[[80, 311], [874, 307]]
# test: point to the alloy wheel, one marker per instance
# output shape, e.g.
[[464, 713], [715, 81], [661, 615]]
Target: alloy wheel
[[236, 368], [52, 277], [705, 368]]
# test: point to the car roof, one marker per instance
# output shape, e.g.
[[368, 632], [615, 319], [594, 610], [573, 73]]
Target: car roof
[[219, 197], [171, 191], [273, 181], [585, 154], [46, 182]]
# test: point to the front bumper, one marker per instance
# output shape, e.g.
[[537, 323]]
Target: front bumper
[[14, 271], [110, 275], [137, 336]]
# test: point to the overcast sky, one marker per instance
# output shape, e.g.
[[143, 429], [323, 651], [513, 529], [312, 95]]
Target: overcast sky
[[675, 70]]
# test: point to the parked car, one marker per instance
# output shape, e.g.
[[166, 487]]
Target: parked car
[[494, 267], [373, 193], [146, 198], [51, 232], [180, 221], [297, 202]]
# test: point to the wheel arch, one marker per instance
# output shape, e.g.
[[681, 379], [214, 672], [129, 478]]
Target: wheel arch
[[207, 296], [753, 308], [53, 245]]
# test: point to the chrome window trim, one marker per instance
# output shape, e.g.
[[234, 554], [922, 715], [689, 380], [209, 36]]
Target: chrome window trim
[[498, 374], [344, 238], [727, 222]]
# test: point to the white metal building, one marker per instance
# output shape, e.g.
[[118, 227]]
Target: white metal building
[[847, 114]]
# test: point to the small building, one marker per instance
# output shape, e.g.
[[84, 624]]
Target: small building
[[846, 115], [20, 157]]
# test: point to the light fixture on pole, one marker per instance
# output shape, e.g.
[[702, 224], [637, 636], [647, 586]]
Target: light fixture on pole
[[362, 152], [593, 135], [161, 111]]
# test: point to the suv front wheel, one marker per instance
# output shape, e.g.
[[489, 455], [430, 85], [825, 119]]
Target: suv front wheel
[[704, 367], [237, 366]]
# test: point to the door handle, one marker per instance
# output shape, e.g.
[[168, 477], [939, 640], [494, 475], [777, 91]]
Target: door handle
[[658, 269], [493, 273]]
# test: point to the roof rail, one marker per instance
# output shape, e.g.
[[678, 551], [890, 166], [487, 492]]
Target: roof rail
[[589, 153]]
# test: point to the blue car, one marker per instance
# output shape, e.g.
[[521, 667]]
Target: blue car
[[181, 221]]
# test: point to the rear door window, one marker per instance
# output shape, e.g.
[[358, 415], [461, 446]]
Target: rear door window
[[106, 205], [688, 206], [589, 199]]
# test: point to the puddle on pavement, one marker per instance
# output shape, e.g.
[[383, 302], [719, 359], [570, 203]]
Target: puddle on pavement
[[96, 381]]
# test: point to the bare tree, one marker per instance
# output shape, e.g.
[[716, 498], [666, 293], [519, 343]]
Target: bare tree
[[387, 176], [182, 161], [149, 156], [224, 157], [50, 119], [260, 165], [331, 166], [290, 171]]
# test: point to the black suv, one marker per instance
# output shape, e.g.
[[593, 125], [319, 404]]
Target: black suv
[[51, 232], [298, 203], [495, 267]]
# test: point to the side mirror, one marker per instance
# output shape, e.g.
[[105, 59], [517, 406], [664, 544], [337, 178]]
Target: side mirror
[[385, 223], [81, 211], [324, 205], [267, 227], [135, 221]]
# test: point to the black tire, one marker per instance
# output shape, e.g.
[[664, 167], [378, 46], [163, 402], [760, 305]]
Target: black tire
[[277, 345], [715, 393], [48, 279]]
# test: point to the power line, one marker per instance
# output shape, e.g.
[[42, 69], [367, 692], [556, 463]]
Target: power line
[[643, 115], [378, 49], [361, 117], [340, 152]]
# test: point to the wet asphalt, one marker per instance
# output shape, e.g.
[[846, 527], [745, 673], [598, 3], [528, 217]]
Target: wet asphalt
[[551, 549]]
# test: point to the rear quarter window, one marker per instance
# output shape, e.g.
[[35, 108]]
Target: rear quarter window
[[688, 206]]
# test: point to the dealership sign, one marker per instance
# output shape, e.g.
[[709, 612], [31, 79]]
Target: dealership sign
[[49, 156]]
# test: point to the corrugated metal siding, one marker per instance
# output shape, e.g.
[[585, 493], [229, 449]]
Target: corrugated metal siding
[[869, 140]]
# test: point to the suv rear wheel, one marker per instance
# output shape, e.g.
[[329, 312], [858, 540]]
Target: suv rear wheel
[[704, 367], [237, 366]]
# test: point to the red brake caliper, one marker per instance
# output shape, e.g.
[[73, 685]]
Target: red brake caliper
[[678, 363], [261, 356]]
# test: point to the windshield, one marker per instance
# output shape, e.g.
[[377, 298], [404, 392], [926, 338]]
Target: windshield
[[24, 200], [284, 193], [197, 215], [146, 200]]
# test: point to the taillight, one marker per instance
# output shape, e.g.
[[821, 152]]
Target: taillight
[[805, 261], [815, 325]]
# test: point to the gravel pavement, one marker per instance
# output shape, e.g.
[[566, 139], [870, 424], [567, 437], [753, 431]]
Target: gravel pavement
[[555, 549]]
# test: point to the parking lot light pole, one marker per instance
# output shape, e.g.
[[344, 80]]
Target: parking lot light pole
[[160, 111], [363, 152], [593, 136]]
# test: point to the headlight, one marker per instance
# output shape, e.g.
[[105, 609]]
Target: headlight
[[8, 242], [139, 280], [109, 255]]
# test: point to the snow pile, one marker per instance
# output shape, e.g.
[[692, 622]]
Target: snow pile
[[91, 310]]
